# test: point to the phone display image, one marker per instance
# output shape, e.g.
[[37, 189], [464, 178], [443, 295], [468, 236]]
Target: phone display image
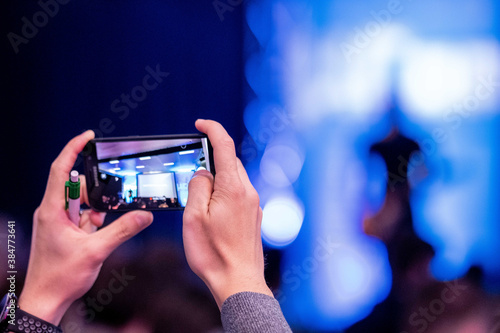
[[150, 173]]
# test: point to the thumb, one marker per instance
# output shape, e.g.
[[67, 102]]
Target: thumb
[[121, 230], [200, 192]]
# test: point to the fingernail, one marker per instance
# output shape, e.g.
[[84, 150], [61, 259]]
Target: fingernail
[[194, 175], [203, 172], [143, 218]]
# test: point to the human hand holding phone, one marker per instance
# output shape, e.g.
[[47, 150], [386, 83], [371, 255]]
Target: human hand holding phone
[[222, 223], [221, 233], [65, 259]]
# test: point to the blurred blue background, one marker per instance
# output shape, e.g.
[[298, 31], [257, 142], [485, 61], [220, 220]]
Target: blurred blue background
[[332, 78], [369, 128]]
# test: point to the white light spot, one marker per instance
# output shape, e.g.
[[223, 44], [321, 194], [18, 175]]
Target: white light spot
[[282, 220]]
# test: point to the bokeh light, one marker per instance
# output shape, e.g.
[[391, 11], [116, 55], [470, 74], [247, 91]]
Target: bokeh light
[[282, 220]]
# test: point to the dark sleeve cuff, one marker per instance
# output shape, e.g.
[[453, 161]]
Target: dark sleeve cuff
[[253, 312]]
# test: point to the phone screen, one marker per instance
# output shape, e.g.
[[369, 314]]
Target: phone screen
[[149, 173]]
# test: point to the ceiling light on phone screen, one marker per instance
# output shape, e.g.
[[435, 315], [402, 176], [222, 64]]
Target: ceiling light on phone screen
[[114, 162], [145, 158], [186, 152], [140, 167], [166, 164]]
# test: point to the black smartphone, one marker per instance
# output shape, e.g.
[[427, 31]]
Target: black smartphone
[[144, 172]]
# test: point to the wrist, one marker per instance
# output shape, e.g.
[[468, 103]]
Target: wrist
[[42, 306], [221, 289], [15, 319]]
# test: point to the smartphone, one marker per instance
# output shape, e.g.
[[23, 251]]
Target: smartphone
[[144, 172]]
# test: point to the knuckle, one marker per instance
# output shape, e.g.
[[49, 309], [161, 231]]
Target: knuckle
[[227, 143], [36, 214], [55, 166], [41, 216], [122, 233], [253, 197], [192, 216]]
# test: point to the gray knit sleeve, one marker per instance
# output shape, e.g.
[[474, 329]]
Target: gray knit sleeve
[[252, 312]]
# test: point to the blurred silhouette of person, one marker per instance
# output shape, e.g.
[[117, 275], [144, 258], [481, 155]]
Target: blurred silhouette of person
[[134, 204], [417, 302], [172, 202], [409, 256], [393, 224], [113, 202]]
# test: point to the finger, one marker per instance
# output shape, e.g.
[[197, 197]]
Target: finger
[[97, 218], [84, 199], [85, 224], [223, 147], [121, 230], [200, 192], [91, 220], [62, 165]]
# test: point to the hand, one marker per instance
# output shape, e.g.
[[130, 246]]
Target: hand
[[222, 223], [65, 259]]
